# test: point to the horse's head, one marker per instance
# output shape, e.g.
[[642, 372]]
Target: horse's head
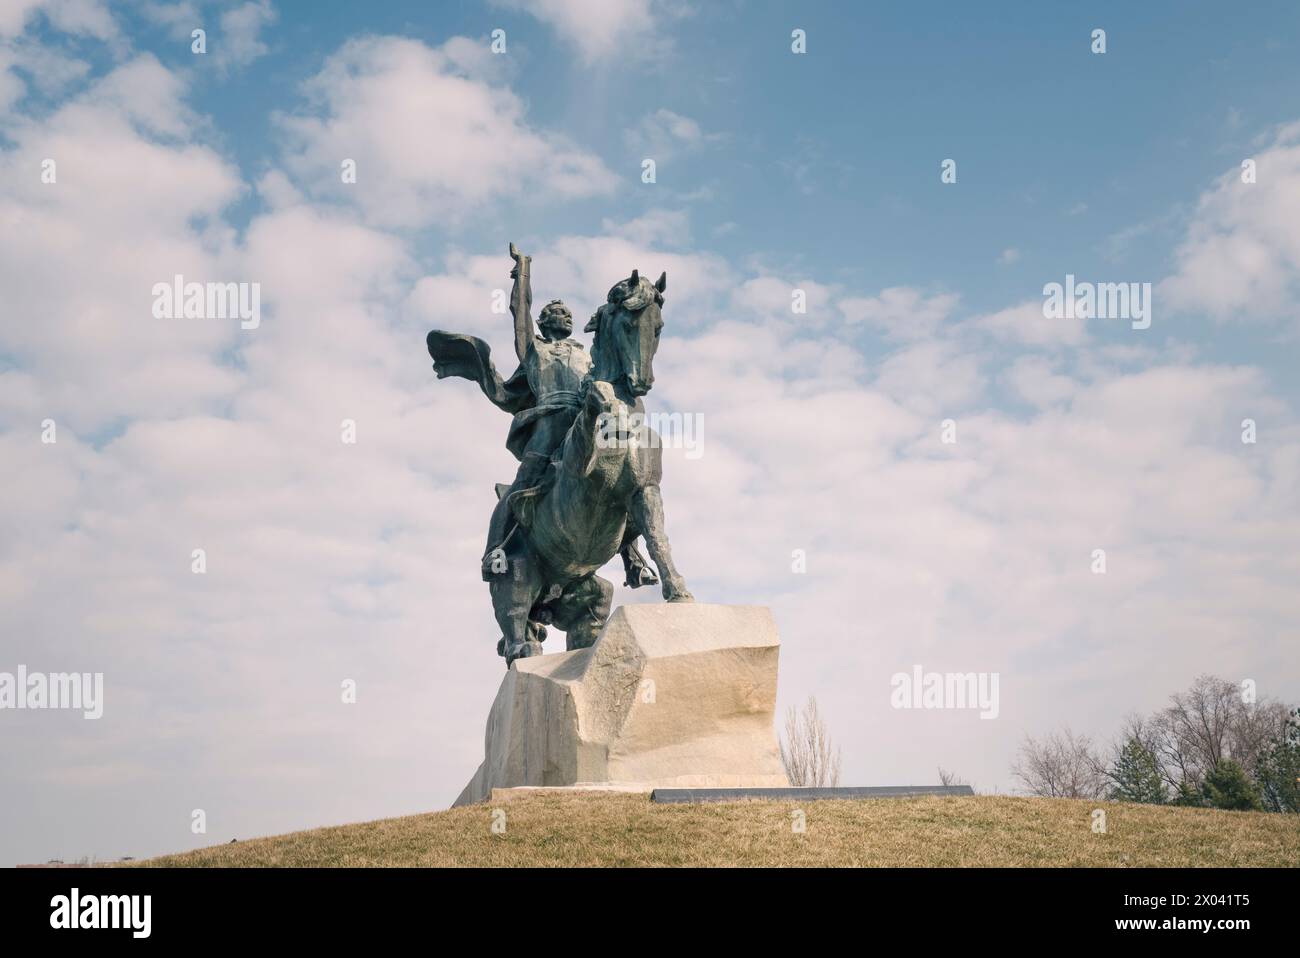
[[627, 334]]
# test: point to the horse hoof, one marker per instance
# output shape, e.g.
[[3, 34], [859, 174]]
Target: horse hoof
[[522, 651], [682, 597]]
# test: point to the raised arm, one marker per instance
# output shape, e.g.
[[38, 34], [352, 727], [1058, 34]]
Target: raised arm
[[521, 302]]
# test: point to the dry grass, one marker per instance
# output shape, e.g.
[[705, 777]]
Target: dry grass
[[544, 830]]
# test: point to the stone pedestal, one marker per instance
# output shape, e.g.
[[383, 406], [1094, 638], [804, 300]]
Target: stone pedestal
[[671, 695]]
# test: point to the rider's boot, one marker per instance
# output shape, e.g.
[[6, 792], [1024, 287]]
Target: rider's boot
[[637, 571], [531, 472], [494, 561]]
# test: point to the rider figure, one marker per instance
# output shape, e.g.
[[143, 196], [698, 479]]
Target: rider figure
[[556, 368]]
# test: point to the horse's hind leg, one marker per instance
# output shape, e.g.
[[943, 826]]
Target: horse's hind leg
[[513, 595], [582, 609]]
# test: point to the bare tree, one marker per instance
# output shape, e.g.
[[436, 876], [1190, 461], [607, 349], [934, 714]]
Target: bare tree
[[1063, 765], [1210, 722], [1254, 726], [1202, 727], [807, 753], [950, 778]]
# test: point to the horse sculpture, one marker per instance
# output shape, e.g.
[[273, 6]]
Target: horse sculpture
[[597, 493], [603, 493]]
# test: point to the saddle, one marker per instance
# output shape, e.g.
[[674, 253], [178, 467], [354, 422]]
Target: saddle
[[523, 502]]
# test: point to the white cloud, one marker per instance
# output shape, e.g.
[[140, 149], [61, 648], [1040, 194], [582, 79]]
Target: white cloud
[[89, 18], [15, 14], [580, 270], [1240, 258], [772, 297], [179, 16], [900, 312], [602, 29], [51, 69], [80, 262], [1025, 324], [661, 227], [240, 42], [664, 134], [228, 441], [932, 378], [12, 87], [975, 556], [1036, 381], [431, 139]]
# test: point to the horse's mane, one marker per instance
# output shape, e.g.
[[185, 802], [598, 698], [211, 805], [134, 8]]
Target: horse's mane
[[601, 355], [622, 295]]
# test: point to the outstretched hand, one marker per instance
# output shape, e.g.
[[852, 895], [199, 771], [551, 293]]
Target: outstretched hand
[[520, 260]]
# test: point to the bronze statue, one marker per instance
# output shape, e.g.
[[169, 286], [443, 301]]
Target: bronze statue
[[581, 494]]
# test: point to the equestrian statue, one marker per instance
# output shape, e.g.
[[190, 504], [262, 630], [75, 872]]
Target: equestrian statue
[[586, 487]]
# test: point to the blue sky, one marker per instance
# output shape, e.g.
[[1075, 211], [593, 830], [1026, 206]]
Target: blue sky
[[775, 172], [1040, 126], [1080, 163]]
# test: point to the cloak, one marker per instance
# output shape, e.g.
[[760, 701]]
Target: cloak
[[459, 354]]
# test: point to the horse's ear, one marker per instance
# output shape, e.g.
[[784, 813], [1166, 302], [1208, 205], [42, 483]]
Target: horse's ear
[[661, 283], [636, 279]]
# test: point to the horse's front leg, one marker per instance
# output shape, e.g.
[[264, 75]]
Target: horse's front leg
[[647, 509], [513, 596]]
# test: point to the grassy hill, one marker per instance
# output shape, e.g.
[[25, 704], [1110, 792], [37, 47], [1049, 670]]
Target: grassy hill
[[549, 829]]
